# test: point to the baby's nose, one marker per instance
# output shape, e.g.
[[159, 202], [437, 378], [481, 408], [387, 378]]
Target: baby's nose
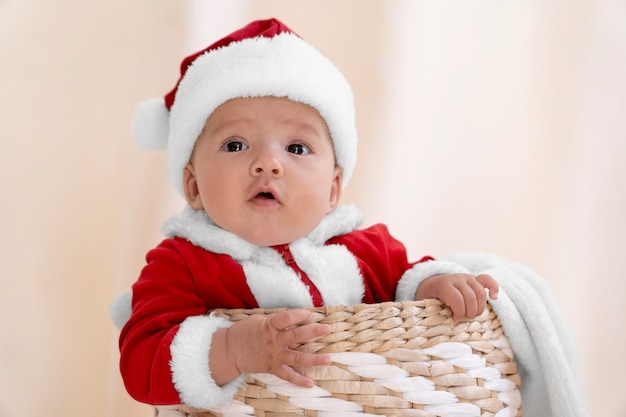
[[267, 164]]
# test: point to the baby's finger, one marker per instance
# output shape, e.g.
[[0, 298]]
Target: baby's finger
[[470, 299], [290, 375], [454, 299], [305, 333], [481, 297], [293, 359], [289, 318], [297, 359], [487, 281]]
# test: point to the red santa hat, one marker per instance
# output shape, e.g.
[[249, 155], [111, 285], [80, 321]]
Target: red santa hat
[[264, 58]]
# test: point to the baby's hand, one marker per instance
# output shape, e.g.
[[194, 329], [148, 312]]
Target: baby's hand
[[261, 344], [463, 293]]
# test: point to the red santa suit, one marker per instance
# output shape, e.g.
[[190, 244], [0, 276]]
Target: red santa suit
[[165, 344]]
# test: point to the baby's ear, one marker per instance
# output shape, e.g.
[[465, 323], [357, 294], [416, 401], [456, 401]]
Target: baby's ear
[[336, 188], [190, 187]]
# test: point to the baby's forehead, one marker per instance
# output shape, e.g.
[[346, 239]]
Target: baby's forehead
[[282, 110]]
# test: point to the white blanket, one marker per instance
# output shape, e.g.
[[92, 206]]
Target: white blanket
[[539, 335]]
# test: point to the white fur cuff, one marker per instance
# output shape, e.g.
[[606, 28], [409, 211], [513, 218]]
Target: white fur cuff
[[190, 363], [412, 278]]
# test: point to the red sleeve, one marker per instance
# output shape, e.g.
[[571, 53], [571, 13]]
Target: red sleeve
[[381, 258], [178, 281]]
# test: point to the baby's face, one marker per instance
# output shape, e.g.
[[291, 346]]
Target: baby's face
[[264, 169]]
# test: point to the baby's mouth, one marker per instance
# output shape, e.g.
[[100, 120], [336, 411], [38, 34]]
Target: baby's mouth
[[265, 196]]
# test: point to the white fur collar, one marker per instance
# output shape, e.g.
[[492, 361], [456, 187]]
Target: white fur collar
[[332, 268], [196, 227]]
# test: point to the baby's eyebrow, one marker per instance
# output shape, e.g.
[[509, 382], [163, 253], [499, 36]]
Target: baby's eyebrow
[[212, 128], [305, 130], [306, 126]]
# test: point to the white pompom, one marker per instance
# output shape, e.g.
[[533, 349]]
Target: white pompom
[[151, 122], [121, 308]]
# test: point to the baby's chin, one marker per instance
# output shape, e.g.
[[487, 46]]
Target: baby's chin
[[269, 239], [270, 231]]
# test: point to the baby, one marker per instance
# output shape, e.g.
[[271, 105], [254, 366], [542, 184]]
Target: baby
[[261, 140]]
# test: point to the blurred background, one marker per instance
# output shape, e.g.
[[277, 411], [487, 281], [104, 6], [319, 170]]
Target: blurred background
[[494, 126]]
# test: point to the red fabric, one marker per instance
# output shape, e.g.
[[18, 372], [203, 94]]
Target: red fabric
[[266, 28], [382, 260], [182, 280]]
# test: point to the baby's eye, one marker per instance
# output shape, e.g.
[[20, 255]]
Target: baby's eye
[[234, 146], [298, 149]]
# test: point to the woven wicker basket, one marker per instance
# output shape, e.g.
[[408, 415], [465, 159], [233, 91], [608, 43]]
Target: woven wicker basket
[[393, 359]]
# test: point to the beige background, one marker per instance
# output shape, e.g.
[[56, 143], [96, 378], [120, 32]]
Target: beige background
[[487, 126]]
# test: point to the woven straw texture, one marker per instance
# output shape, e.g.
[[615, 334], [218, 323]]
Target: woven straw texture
[[392, 359]]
